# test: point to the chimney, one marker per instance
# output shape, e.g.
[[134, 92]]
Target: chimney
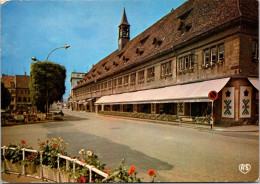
[[24, 73]]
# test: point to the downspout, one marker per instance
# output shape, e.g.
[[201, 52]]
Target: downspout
[[240, 29], [176, 68]]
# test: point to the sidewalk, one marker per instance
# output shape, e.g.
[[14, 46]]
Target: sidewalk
[[242, 128], [15, 178]]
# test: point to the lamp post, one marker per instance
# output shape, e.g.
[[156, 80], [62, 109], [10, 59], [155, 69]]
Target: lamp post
[[64, 47], [36, 60]]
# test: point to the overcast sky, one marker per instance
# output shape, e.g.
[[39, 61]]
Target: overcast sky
[[34, 28]]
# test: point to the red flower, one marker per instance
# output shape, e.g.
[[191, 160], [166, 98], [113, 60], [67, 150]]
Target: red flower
[[107, 170], [83, 160], [23, 141], [131, 170], [82, 179], [54, 146], [30, 157], [47, 141], [151, 172], [41, 144]]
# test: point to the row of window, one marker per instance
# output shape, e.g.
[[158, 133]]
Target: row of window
[[19, 92], [126, 80], [24, 99], [211, 56], [22, 92], [185, 62]]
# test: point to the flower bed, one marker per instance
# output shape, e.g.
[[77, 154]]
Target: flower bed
[[160, 117], [202, 120], [56, 166]]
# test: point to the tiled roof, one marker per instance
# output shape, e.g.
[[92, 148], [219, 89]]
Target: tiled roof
[[22, 81], [190, 20], [249, 8], [6, 79]]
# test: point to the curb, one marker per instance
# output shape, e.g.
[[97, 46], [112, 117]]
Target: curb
[[182, 124]]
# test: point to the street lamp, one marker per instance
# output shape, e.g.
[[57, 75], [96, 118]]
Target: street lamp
[[36, 60], [64, 47]]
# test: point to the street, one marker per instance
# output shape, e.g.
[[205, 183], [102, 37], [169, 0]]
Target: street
[[176, 153]]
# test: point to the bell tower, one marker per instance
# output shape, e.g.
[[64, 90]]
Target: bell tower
[[123, 32]]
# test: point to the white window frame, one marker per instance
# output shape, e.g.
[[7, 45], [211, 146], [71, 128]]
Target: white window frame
[[143, 76], [221, 52]]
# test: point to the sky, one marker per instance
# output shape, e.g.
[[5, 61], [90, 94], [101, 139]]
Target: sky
[[34, 28]]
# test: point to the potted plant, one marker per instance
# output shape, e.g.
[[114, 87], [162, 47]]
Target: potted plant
[[50, 150], [14, 158], [220, 62], [31, 162]]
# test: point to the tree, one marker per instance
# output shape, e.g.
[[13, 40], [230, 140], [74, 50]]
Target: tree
[[47, 84], [5, 97]]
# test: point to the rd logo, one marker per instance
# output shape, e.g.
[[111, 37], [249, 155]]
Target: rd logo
[[244, 168]]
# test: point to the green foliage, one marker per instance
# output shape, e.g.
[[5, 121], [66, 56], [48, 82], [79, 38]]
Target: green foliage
[[47, 82], [51, 149], [162, 117], [122, 175], [16, 155], [203, 120], [5, 97], [91, 159]]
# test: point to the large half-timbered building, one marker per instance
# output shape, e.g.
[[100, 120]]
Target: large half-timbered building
[[170, 68]]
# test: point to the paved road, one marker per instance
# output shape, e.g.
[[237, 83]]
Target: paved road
[[178, 154]]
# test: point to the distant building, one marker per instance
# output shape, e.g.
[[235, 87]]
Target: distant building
[[18, 86], [170, 68], [75, 77], [56, 106]]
